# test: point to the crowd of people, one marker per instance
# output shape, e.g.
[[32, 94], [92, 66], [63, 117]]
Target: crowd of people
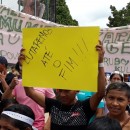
[[24, 108]]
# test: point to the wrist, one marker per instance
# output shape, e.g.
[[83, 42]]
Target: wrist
[[101, 64]]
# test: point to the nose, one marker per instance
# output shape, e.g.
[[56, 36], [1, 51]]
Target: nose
[[115, 103], [62, 94]]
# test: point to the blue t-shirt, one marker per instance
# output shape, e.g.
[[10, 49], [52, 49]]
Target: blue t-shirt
[[82, 95]]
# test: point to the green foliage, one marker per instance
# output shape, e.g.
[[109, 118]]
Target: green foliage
[[62, 14], [119, 17]]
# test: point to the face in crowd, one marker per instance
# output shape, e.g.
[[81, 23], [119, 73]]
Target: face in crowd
[[116, 77], [66, 97], [117, 98]]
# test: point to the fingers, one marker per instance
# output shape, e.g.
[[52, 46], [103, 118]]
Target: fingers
[[14, 82], [22, 50], [21, 57]]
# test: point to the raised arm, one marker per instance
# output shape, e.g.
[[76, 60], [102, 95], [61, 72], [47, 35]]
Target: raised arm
[[9, 88], [37, 97], [96, 98], [2, 80]]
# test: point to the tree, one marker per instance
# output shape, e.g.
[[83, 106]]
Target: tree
[[119, 17], [62, 13]]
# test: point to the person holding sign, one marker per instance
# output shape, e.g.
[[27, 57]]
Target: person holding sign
[[66, 112]]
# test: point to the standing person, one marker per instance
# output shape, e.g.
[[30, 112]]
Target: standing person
[[17, 117], [4, 77], [104, 123], [66, 112], [117, 98]]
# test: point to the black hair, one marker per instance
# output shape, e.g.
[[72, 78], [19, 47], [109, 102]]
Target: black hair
[[120, 86], [6, 102], [3, 61], [17, 66], [111, 76], [104, 123], [21, 109]]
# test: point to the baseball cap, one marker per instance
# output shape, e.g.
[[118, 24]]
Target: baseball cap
[[3, 61]]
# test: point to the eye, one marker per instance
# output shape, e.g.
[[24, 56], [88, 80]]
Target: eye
[[110, 98], [120, 99]]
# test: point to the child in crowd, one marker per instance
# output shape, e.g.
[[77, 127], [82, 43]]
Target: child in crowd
[[104, 123], [17, 117], [115, 76], [67, 113], [117, 98]]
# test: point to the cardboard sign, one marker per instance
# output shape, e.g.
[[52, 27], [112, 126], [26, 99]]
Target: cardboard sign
[[63, 58]]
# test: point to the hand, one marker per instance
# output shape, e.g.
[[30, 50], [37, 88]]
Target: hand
[[2, 76], [101, 52], [13, 83], [21, 57]]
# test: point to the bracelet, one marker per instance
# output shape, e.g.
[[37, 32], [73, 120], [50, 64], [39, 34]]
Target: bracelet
[[101, 65]]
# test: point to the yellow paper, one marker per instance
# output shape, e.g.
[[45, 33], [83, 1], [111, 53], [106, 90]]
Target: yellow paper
[[63, 58]]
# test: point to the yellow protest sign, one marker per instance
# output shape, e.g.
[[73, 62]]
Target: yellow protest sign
[[63, 57]]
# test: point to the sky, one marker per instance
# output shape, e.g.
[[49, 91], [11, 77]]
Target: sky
[[93, 12], [86, 12]]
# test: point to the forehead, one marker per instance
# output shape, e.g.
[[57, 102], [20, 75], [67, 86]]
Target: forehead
[[117, 93], [64, 90], [116, 76]]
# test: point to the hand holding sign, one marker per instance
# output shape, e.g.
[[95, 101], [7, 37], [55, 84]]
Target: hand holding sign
[[61, 57]]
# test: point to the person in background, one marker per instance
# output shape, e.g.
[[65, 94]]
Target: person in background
[[126, 77], [117, 98], [104, 123], [5, 78], [17, 117], [116, 76]]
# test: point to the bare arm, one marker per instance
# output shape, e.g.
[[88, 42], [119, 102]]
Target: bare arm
[[99, 112], [96, 98], [9, 89], [36, 96]]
